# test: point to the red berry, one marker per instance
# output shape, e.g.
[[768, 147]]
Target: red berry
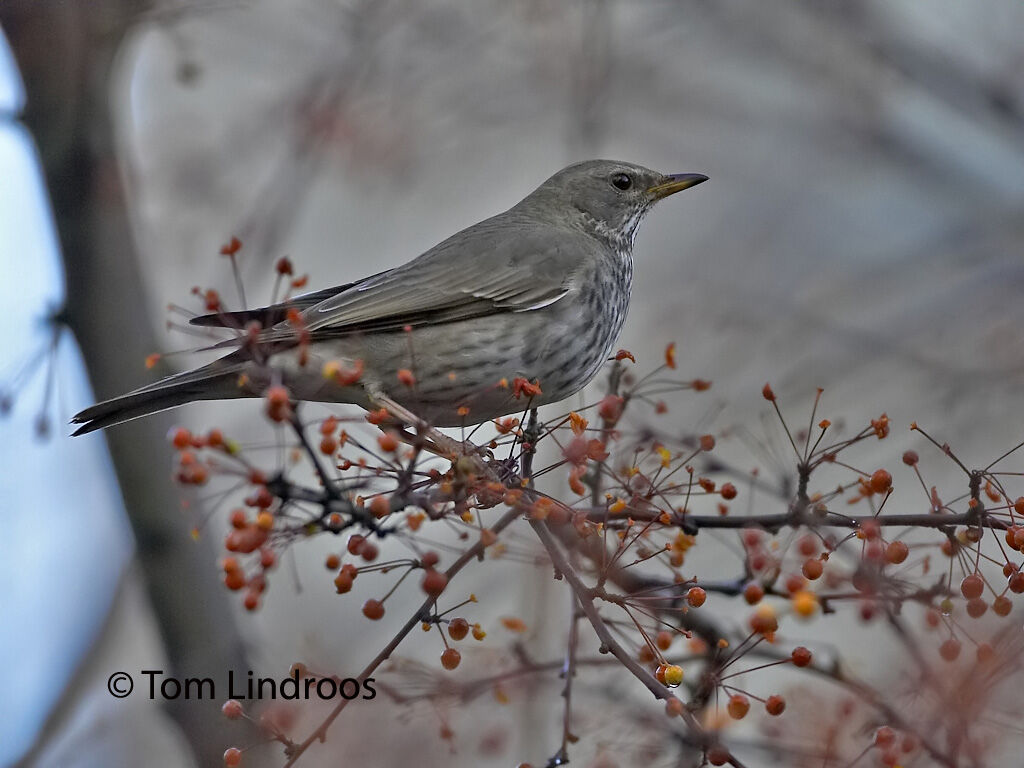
[[728, 491], [1016, 582], [430, 559], [458, 628], [885, 737], [434, 582], [950, 649], [775, 705], [232, 709], [372, 609], [972, 586], [232, 757], [718, 755], [696, 596], [450, 658], [976, 607], [910, 458], [801, 656]]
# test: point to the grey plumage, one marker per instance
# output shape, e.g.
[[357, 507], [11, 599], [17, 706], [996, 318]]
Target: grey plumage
[[538, 292]]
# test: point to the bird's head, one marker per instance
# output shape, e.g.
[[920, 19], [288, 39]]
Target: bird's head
[[609, 197]]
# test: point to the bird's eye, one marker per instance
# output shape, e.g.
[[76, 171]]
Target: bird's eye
[[622, 181]]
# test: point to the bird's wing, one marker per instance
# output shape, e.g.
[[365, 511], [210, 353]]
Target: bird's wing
[[497, 266], [272, 314]]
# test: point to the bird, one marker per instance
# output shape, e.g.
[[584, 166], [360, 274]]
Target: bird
[[520, 309]]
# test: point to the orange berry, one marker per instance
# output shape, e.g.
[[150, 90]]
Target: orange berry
[[881, 481], [388, 442], [234, 580], [332, 562], [805, 603], [775, 705], [728, 491], [707, 442], [232, 757], [180, 438], [380, 506], [450, 658], [812, 568], [753, 593], [696, 596], [738, 706], [1002, 606], [343, 582], [896, 552], [232, 709], [673, 707], [372, 609], [663, 640], [1018, 505], [767, 393]]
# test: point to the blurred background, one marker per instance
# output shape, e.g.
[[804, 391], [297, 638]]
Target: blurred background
[[863, 231]]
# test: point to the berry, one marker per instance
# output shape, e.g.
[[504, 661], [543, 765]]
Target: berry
[[950, 649], [976, 607], [896, 552], [673, 707], [801, 656], [430, 559], [1001, 606], [881, 481], [232, 709], [458, 628], [696, 596], [372, 609], [450, 658], [972, 586], [663, 640], [232, 757], [673, 675], [910, 458], [718, 755], [812, 568], [434, 582], [775, 705], [738, 706], [805, 603], [753, 593]]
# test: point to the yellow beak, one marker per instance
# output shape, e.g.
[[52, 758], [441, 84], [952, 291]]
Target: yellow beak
[[676, 182]]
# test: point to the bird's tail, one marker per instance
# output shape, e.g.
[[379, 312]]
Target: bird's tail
[[215, 381]]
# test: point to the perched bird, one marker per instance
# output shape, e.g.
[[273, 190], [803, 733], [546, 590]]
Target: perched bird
[[534, 295]]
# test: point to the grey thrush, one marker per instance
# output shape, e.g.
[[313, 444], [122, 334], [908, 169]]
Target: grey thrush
[[534, 296]]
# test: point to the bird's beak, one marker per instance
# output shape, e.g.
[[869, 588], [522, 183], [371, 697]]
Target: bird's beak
[[676, 182]]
